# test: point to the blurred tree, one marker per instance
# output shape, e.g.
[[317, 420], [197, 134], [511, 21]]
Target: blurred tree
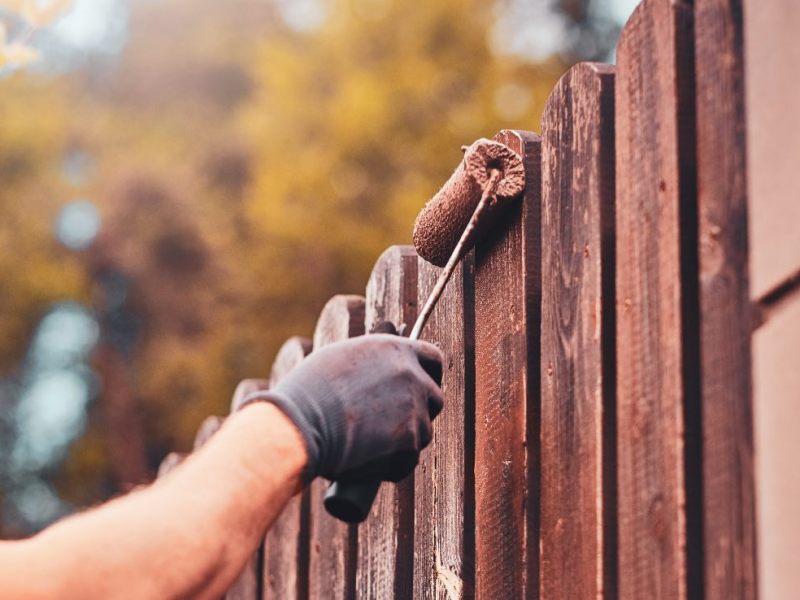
[[354, 125], [249, 161], [36, 272]]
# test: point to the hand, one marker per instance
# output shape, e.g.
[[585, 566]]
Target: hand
[[364, 406]]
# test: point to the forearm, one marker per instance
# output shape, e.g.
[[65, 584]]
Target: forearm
[[190, 534]]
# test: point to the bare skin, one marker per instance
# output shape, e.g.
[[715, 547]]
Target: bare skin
[[188, 535]]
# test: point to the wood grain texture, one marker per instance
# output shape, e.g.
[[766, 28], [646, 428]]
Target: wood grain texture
[[444, 512], [655, 289], [386, 538], [285, 570], [333, 544], [578, 471], [507, 322], [727, 420]]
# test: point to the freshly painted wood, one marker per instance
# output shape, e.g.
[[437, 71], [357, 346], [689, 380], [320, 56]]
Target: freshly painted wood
[[386, 538], [578, 470], [656, 304], [333, 544], [285, 561], [444, 513], [507, 331], [729, 545]]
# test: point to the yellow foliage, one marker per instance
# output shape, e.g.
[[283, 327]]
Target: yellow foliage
[[245, 173], [36, 271]]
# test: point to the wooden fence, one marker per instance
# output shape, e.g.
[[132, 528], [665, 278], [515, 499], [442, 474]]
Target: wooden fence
[[597, 436]]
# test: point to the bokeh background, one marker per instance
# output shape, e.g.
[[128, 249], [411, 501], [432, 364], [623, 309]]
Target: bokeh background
[[184, 183]]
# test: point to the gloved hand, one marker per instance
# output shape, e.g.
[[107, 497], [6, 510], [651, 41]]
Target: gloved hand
[[364, 406]]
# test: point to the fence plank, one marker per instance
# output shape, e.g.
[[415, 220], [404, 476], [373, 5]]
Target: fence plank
[[727, 420], [577, 369], [333, 544], [507, 304], [655, 293], [444, 513], [285, 559], [385, 539], [247, 585]]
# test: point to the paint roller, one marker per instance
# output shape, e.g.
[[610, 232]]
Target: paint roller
[[489, 177]]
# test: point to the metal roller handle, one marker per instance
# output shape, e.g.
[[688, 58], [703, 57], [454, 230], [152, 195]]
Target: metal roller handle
[[351, 502]]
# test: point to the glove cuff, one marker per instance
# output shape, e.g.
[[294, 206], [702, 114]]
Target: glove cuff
[[300, 421], [323, 430]]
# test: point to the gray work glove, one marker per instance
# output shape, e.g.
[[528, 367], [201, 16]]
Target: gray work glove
[[364, 406]]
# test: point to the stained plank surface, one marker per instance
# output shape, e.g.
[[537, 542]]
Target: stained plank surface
[[578, 529], [655, 193], [333, 544], [727, 421], [507, 305], [386, 538], [285, 571], [444, 516]]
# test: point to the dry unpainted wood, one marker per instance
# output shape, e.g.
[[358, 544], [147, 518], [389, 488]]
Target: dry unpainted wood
[[386, 538], [507, 338], [444, 512], [332, 543], [776, 388], [285, 561], [772, 56], [654, 118], [726, 387], [773, 146], [578, 471]]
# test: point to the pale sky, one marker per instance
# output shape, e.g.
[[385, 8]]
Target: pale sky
[[100, 25]]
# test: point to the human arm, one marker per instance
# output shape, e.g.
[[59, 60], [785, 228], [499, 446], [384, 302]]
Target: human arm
[[350, 410], [187, 536]]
